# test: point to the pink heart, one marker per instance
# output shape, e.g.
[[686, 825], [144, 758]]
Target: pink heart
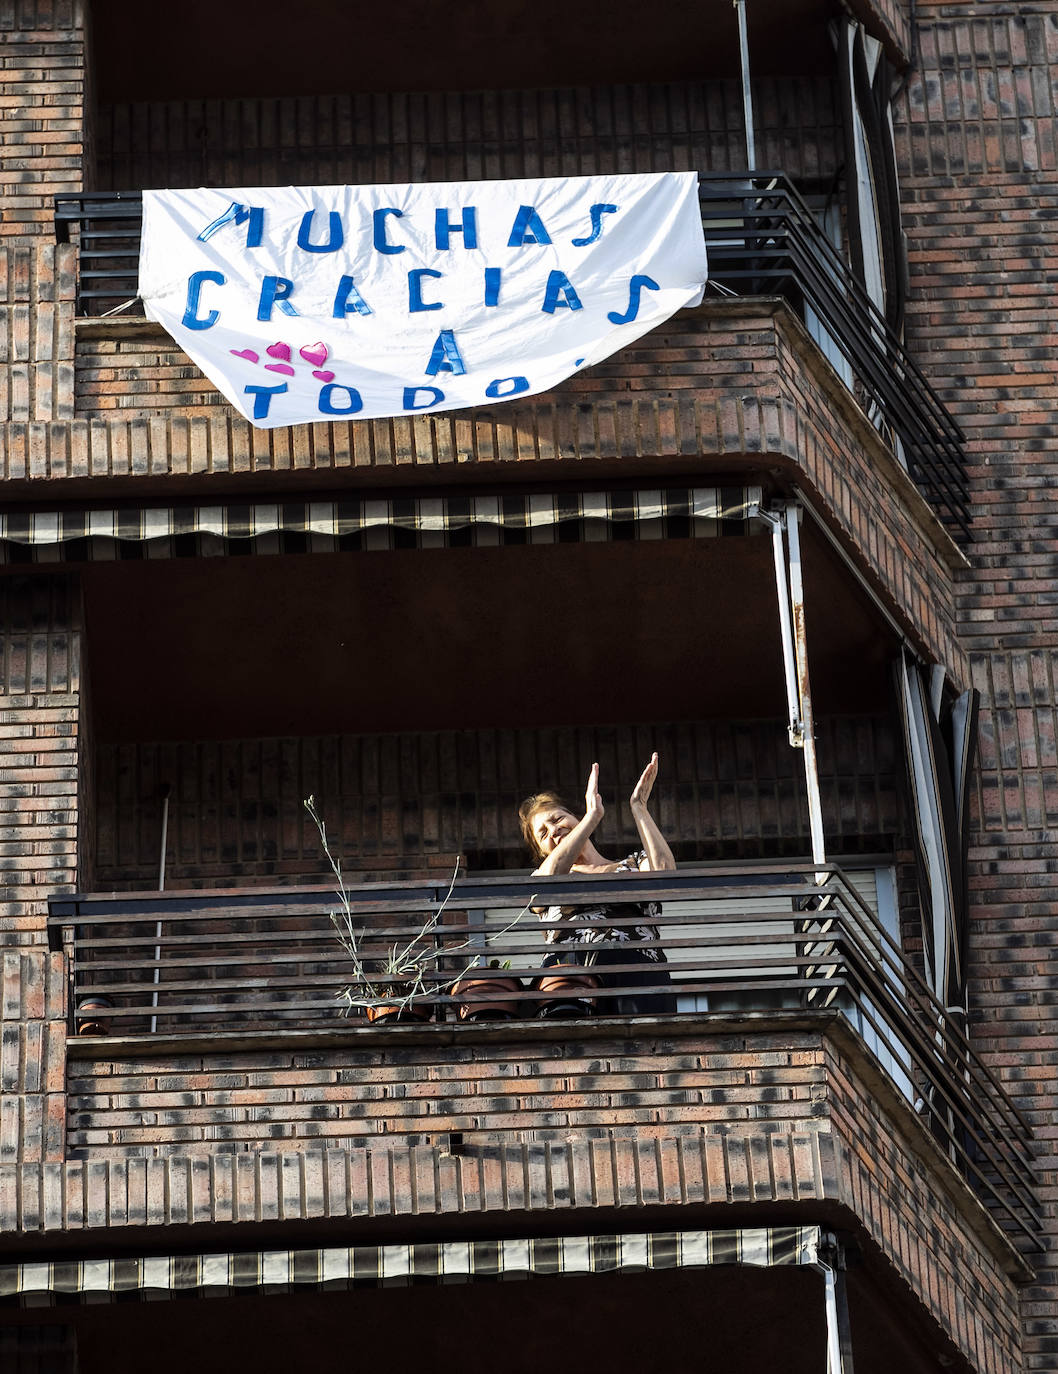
[[324, 376], [279, 367], [247, 353], [279, 350], [314, 353]]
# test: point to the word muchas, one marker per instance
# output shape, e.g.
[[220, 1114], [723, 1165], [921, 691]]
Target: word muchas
[[402, 299]]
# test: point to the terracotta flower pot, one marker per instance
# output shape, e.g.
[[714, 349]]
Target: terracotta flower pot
[[484, 998], [411, 1011], [565, 990], [91, 1018]]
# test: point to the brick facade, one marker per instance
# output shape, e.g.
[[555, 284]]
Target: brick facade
[[977, 137], [236, 811], [782, 1118], [352, 1128], [43, 751], [42, 96]]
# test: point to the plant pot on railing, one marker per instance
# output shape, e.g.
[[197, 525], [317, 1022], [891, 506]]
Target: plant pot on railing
[[91, 1018], [396, 1011], [565, 991], [409, 1002], [487, 997]]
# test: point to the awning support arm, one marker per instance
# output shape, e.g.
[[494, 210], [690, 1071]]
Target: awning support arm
[[789, 586], [747, 93], [777, 521], [831, 1261]]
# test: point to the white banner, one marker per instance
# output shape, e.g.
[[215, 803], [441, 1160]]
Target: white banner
[[310, 303]]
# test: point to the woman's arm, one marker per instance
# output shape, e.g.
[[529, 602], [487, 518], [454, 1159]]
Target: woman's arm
[[567, 851], [658, 854]]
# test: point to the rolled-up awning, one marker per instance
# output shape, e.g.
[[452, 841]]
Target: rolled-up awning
[[338, 1268], [393, 523], [357, 1266]]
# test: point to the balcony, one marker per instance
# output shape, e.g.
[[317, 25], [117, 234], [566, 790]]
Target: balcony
[[748, 945], [763, 241]]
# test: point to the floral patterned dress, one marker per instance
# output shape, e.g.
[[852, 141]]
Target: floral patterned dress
[[594, 923], [609, 944]]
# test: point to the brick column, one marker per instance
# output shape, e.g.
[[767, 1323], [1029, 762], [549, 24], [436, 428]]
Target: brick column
[[41, 780], [42, 105], [980, 190], [43, 112], [42, 748]]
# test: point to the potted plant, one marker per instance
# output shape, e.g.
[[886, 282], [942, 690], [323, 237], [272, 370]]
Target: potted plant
[[566, 989], [487, 995], [402, 983], [91, 1016]]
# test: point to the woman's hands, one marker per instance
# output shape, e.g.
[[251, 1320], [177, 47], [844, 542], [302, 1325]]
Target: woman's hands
[[592, 801], [643, 788], [576, 846], [658, 854]]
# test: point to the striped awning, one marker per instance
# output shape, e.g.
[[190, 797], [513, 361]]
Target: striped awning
[[371, 1266], [288, 527]]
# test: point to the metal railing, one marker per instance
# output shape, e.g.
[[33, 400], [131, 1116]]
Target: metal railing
[[762, 238], [738, 939]]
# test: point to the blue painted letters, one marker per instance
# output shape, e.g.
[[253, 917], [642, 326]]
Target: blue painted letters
[[335, 233], [239, 214], [503, 387], [415, 300], [378, 220], [194, 287], [443, 228], [446, 356], [596, 212], [560, 292], [262, 398], [274, 291], [527, 228], [635, 290], [348, 300], [327, 402], [434, 397]]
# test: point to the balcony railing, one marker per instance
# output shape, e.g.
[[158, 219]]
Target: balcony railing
[[763, 240], [735, 940]]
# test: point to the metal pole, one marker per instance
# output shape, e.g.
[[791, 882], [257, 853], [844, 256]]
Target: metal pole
[[747, 94], [782, 591], [161, 888], [797, 601]]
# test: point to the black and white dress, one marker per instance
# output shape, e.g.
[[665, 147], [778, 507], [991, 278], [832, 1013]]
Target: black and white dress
[[610, 944]]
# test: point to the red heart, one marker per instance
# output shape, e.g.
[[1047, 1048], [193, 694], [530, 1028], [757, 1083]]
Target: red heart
[[314, 353], [279, 350], [324, 376], [284, 368], [247, 353]]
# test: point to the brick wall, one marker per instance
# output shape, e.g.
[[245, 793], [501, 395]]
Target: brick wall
[[42, 75], [41, 749], [978, 146], [731, 378], [750, 1117], [921, 1228], [235, 810], [524, 1089], [37, 289], [328, 140], [32, 1057]]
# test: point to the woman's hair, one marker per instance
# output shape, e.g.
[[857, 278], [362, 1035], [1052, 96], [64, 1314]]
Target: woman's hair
[[539, 801]]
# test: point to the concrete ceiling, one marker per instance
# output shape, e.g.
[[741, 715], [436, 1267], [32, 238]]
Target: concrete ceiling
[[421, 640], [205, 49]]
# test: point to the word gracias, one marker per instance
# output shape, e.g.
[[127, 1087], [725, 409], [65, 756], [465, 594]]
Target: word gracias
[[275, 292]]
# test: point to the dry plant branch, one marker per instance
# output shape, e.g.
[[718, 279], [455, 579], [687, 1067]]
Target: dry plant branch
[[406, 973]]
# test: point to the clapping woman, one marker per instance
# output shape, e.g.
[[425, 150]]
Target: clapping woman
[[564, 843]]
